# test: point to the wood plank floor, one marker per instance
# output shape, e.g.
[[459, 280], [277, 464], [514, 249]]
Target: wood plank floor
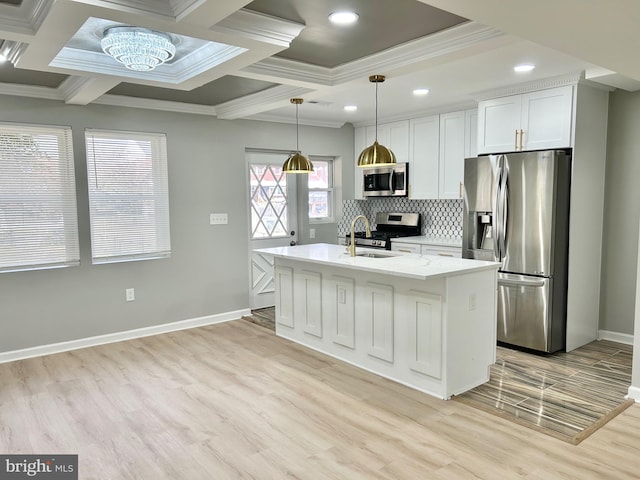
[[567, 395], [234, 401]]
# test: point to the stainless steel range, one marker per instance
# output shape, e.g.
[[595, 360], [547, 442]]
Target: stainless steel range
[[389, 225]]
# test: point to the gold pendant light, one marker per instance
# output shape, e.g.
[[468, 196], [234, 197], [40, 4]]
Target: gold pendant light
[[297, 163], [376, 154]]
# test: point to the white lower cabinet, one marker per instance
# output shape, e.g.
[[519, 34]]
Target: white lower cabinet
[[405, 247], [441, 251]]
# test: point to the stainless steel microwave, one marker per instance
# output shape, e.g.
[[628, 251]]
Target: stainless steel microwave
[[391, 181]]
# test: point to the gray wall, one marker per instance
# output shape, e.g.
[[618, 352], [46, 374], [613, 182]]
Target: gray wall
[[622, 207], [208, 270]]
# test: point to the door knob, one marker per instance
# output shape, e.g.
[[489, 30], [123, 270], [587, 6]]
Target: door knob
[[293, 232], [292, 243]]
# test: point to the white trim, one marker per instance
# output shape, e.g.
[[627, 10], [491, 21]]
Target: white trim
[[120, 336], [615, 337], [541, 84], [634, 394]]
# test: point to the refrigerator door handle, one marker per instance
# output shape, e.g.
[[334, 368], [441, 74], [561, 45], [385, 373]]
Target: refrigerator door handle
[[520, 283], [504, 211], [498, 249]]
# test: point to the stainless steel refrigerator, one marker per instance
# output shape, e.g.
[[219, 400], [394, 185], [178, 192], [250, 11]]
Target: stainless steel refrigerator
[[516, 211]]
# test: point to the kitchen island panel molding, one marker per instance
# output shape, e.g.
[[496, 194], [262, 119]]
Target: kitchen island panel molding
[[378, 309], [424, 313], [419, 329], [341, 313], [284, 296], [310, 301]]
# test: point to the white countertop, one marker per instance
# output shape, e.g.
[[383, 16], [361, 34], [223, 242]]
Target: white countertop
[[426, 240], [401, 264]]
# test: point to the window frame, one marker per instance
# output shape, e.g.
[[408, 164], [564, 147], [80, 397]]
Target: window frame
[[161, 236], [60, 202], [330, 189]]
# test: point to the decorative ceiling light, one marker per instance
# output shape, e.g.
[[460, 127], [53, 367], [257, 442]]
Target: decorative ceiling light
[[376, 154], [297, 163], [343, 18], [525, 67], [138, 48]]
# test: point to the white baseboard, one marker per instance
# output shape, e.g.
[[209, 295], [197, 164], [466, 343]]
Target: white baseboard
[[120, 336], [634, 394], [615, 337]]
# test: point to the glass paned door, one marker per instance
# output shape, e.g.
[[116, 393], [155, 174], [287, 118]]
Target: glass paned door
[[272, 218]]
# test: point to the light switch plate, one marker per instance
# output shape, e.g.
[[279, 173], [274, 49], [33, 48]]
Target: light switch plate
[[218, 218]]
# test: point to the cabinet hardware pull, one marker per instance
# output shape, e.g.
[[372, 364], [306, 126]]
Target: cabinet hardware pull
[[516, 141], [445, 254], [404, 250], [460, 191], [521, 135]]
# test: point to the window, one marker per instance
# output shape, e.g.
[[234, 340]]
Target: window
[[321, 190], [128, 196], [38, 219]]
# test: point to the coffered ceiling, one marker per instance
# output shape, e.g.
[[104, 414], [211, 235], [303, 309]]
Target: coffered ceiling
[[246, 59]]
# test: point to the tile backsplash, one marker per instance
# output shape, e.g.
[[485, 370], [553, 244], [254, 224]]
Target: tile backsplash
[[440, 218]]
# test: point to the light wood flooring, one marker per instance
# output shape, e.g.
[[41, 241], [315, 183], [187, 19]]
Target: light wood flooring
[[234, 401]]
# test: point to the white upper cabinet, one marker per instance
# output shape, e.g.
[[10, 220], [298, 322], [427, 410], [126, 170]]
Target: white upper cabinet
[[471, 133], [423, 165], [531, 121], [394, 135], [452, 150]]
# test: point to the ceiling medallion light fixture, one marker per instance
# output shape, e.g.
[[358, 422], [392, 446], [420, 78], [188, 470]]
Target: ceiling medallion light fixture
[[297, 163], [138, 48], [376, 154], [343, 18]]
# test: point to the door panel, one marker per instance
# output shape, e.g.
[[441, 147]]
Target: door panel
[[530, 213], [524, 311], [272, 220]]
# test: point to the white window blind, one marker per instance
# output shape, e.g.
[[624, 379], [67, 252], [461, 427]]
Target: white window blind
[[38, 215], [128, 195]]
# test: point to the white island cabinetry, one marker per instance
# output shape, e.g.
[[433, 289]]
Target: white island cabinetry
[[426, 322]]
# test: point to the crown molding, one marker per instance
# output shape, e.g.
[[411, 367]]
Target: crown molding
[[263, 117], [541, 84], [274, 68], [426, 48], [258, 102], [32, 91], [259, 27], [452, 107], [25, 19], [162, 8], [163, 105]]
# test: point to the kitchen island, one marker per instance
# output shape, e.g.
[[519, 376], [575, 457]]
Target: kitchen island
[[424, 321]]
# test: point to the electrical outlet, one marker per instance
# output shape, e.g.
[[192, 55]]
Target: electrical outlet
[[218, 218], [472, 301], [312, 233], [130, 294]]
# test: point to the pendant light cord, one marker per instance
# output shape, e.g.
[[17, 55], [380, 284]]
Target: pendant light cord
[[297, 143], [376, 111]]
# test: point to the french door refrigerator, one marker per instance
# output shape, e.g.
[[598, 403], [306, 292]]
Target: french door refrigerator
[[516, 211]]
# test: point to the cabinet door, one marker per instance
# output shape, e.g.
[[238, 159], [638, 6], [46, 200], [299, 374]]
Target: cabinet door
[[451, 162], [397, 136], [425, 333], [308, 291], [471, 133], [498, 122], [284, 296], [546, 118], [423, 168], [377, 312], [359, 144]]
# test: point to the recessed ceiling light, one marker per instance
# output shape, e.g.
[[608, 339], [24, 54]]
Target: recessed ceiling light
[[350, 108], [343, 18], [525, 67], [420, 91]]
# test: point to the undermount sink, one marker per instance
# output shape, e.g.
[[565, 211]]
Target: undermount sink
[[374, 255]]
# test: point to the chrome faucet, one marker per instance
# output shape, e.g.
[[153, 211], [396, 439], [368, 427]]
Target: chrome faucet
[[352, 245]]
